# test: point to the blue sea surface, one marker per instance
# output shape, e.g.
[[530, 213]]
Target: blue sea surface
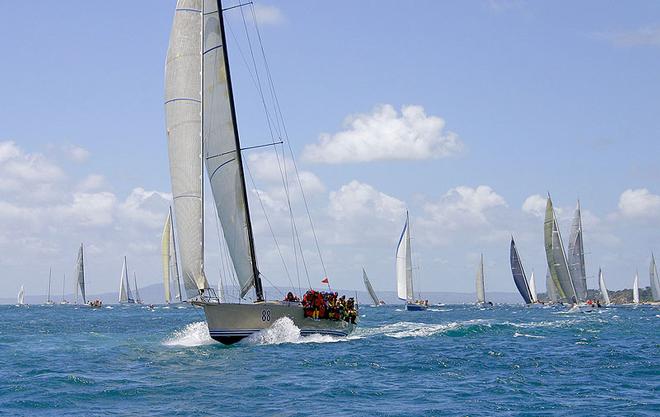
[[452, 360]]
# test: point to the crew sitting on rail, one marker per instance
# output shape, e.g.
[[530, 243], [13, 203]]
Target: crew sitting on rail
[[291, 298], [327, 305]]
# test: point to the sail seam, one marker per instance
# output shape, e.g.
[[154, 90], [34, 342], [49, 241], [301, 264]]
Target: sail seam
[[187, 10], [183, 99], [212, 49]]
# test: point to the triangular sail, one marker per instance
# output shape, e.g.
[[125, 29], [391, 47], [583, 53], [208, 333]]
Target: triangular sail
[[550, 288], [603, 288], [518, 273], [183, 111], [80, 274], [222, 152], [137, 291], [125, 295], [481, 291], [554, 251], [166, 256], [532, 287], [369, 288], [21, 296], [404, 283], [655, 280], [576, 256], [50, 272], [636, 289]]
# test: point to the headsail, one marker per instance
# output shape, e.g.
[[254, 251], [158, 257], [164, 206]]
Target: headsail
[[21, 296], [576, 256], [222, 152], [550, 288], [636, 289], [165, 255], [404, 283], [603, 288], [137, 291], [554, 251], [481, 291], [655, 280], [80, 274], [518, 273], [183, 111], [50, 272], [532, 287], [370, 289], [125, 295]]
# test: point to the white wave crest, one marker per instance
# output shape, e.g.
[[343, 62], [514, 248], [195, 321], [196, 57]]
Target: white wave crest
[[516, 334], [285, 331], [194, 334], [405, 329]]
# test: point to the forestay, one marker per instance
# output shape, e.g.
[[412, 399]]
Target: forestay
[[556, 257], [518, 273], [370, 289], [404, 285], [183, 112]]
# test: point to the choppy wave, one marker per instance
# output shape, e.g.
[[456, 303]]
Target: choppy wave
[[194, 334], [285, 331]]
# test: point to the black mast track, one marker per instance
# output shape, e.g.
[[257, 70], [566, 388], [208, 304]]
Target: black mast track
[[258, 288]]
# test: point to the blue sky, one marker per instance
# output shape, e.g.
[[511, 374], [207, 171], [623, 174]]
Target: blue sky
[[537, 97]]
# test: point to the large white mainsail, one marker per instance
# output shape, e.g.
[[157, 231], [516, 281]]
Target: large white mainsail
[[125, 295], [80, 275], [223, 155], [554, 251], [636, 289], [655, 280], [532, 287], [481, 291], [369, 288], [183, 112], [21, 296], [404, 285], [575, 256], [603, 288]]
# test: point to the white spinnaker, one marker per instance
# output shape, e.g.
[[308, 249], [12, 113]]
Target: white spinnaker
[[636, 289], [80, 275], [221, 152], [655, 280], [21, 296], [369, 288], [481, 291], [575, 256], [165, 255], [183, 112], [404, 285], [125, 295], [532, 287], [603, 287]]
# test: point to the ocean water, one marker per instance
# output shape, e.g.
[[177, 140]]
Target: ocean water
[[452, 360]]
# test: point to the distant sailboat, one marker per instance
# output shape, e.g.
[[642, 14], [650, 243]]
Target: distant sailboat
[[550, 289], [518, 272], [138, 299], [64, 301], [21, 296], [370, 289], [636, 289], [603, 288], [48, 299], [170, 264], [556, 256], [80, 276], [576, 256], [532, 288], [654, 279], [481, 289], [202, 129], [125, 296], [404, 268]]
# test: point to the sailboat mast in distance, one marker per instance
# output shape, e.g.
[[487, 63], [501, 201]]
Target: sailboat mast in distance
[[481, 291]]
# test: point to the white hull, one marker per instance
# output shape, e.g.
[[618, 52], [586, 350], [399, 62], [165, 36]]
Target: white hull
[[229, 323]]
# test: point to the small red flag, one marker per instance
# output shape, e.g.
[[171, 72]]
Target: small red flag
[[325, 280]]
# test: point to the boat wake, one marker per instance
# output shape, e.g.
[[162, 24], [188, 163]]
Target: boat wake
[[285, 331], [194, 334]]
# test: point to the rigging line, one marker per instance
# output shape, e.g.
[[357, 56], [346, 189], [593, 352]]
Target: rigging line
[[273, 285], [270, 227], [288, 142], [217, 229]]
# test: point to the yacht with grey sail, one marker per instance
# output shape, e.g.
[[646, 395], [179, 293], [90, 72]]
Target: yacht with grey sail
[[519, 277], [576, 256], [370, 289], [202, 129], [171, 281], [79, 285], [654, 280]]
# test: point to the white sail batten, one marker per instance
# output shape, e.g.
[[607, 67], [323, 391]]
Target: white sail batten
[[481, 291], [556, 256], [369, 288], [80, 275], [183, 111], [532, 288], [603, 287], [655, 280], [222, 152], [576, 256], [404, 283], [636, 289]]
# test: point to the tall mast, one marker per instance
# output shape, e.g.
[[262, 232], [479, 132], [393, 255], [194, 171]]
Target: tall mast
[[258, 289], [50, 272]]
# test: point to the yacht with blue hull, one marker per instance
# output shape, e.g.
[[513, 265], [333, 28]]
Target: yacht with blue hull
[[202, 132]]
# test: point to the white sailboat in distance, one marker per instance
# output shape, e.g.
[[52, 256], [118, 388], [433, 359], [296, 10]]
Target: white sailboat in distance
[[125, 296], [202, 130], [171, 279], [635, 289], [49, 301], [404, 277], [21, 296], [370, 289], [80, 276], [603, 287], [480, 284]]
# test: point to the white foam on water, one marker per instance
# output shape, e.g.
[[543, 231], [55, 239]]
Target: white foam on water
[[285, 331], [405, 329], [440, 309], [194, 334], [531, 336], [109, 307]]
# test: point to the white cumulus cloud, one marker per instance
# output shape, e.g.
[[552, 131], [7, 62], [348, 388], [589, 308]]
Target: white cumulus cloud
[[643, 36], [357, 199], [464, 207], [268, 15], [639, 203], [385, 134], [535, 205]]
